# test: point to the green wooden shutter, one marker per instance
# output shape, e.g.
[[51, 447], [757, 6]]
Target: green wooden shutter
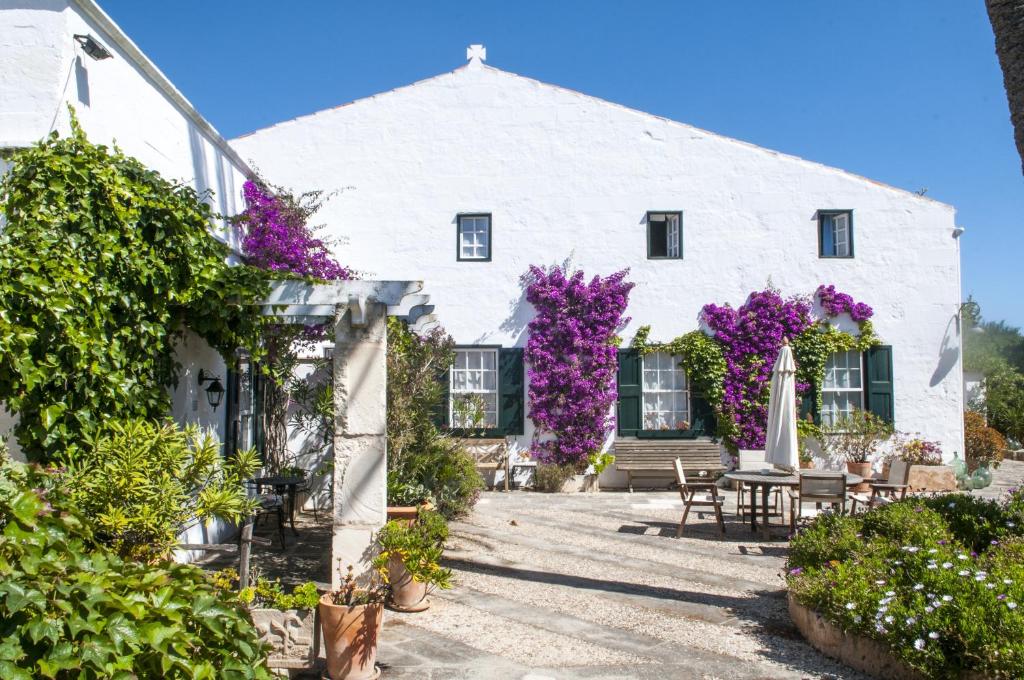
[[630, 392], [510, 386], [441, 411], [702, 416], [809, 405], [878, 389]]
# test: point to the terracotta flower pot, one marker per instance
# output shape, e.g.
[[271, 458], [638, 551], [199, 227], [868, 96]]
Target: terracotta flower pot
[[807, 465], [862, 469], [350, 637], [407, 594]]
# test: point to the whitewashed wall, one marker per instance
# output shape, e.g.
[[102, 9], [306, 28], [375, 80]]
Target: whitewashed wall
[[124, 99], [570, 176]]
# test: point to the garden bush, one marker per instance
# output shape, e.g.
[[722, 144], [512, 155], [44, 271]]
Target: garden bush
[[551, 478], [938, 580], [424, 464], [982, 444], [142, 483], [70, 608]]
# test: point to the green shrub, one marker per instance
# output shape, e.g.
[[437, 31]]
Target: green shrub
[[264, 593], [908, 523], [142, 483], [974, 521], [551, 478], [830, 537], [913, 581], [72, 609], [419, 545]]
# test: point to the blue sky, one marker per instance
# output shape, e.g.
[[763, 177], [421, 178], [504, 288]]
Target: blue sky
[[908, 93]]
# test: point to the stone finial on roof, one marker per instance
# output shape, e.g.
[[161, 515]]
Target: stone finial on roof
[[476, 54]]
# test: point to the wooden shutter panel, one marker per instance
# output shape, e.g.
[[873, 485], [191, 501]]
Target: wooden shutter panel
[[630, 392], [878, 389], [510, 386], [441, 411], [809, 405], [702, 416]]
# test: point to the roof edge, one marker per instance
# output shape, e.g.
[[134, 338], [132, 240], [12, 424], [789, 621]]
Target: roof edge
[[94, 12]]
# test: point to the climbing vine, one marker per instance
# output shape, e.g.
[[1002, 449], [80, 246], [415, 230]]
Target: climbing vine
[[102, 264], [731, 367], [571, 354]]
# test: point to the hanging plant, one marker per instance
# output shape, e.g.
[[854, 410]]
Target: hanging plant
[[572, 357]]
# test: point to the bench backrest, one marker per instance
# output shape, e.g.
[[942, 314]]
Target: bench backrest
[[661, 454], [486, 451]]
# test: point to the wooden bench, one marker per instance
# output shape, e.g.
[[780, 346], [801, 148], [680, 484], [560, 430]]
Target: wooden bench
[[656, 457], [489, 454]]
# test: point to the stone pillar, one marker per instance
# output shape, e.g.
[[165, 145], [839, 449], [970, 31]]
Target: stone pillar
[[360, 444]]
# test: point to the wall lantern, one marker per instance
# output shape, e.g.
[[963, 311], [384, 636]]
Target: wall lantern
[[215, 392], [91, 47]]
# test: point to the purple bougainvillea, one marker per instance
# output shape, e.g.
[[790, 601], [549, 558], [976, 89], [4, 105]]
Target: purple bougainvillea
[[835, 303], [572, 360], [277, 237], [751, 337]]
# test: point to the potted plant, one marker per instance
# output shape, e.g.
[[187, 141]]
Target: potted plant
[[806, 429], [927, 473], [856, 439], [286, 622], [410, 555], [351, 618], [984, 447]]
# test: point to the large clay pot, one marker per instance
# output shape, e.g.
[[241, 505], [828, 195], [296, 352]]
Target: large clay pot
[[407, 594], [350, 637], [807, 465], [862, 469]]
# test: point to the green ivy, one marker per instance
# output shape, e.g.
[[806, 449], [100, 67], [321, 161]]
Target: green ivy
[[70, 608], [813, 347], [103, 263]]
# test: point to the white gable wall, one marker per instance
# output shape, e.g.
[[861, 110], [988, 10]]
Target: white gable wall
[[569, 175]]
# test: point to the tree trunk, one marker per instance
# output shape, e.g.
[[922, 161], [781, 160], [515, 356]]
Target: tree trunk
[[1007, 17]]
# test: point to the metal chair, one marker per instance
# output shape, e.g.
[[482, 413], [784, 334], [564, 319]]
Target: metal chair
[[818, 488], [895, 487], [269, 504], [689, 493]]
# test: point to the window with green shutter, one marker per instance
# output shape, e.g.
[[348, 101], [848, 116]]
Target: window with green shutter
[[630, 392], [510, 391], [878, 393]]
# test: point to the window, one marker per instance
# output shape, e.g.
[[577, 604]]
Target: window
[[835, 233], [843, 389], [664, 235], [666, 396], [474, 238], [474, 389]]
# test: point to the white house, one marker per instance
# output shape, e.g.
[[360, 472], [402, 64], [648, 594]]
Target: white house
[[59, 52], [465, 179]]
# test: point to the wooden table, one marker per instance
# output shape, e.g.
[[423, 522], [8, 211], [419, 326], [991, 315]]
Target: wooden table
[[766, 481], [281, 484]]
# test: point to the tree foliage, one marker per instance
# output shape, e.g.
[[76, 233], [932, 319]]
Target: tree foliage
[[996, 349], [142, 483], [102, 264]]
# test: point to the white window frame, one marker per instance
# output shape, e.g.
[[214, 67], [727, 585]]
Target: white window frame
[[830, 385], [685, 415], [474, 233], [841, 235], [470, 371]]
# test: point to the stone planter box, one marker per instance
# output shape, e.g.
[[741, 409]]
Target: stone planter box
[[861, 653], [932, 478], [294, 635], [580, 483]]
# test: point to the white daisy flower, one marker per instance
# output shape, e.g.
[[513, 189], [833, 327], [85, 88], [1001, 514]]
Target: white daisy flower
[[933, 635], [851, 606], [919, 644]]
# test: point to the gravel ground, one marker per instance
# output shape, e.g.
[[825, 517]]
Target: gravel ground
[[596, 585]]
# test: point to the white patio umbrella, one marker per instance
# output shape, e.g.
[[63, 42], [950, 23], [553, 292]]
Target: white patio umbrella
[[780, 437]]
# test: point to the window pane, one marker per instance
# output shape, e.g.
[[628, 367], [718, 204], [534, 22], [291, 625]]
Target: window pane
[[658, 235]]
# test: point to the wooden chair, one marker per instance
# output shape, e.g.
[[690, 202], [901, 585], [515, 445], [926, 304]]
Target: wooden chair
[[893, 488], [490, 455], [818, 488], [688, 491]]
